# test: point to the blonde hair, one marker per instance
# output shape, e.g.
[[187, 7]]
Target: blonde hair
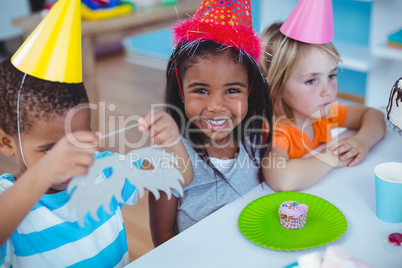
[[279, 61]]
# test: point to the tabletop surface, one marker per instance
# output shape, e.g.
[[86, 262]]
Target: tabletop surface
[[216, 241]]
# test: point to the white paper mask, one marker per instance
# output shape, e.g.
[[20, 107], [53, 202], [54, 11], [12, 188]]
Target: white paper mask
[[91, 191]]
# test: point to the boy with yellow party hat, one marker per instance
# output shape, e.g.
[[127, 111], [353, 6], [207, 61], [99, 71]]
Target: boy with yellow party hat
[[40, 86]]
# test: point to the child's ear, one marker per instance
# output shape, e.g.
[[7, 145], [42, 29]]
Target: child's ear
[[6, 144]]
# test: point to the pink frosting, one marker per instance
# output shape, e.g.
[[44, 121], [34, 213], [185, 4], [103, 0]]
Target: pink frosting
[[293, 209]]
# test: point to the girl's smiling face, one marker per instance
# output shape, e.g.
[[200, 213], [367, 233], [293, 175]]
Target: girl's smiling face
[[216, 95], [312, 86]]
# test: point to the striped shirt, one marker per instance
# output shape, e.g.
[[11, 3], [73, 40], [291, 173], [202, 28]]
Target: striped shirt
[[50, 236]]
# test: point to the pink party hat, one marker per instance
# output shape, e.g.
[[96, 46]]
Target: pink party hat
[[310, 22], [227, 22]]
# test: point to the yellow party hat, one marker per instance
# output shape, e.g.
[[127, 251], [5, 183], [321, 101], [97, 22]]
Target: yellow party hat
[[53, 51]]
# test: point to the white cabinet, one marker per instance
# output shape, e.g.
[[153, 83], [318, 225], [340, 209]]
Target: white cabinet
[[381, 65], [386, 65]]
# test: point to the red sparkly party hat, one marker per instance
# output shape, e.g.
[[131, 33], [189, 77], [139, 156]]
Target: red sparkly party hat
[[227, 22]]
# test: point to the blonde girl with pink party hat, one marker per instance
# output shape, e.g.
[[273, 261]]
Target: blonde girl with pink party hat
[[301, 66], [218, 99]]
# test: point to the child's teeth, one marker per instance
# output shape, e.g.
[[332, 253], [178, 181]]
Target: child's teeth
[[216, 122]]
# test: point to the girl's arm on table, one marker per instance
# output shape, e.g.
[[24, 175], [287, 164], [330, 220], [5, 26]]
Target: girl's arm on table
[[371, 128], [162, 218], [284, 174]]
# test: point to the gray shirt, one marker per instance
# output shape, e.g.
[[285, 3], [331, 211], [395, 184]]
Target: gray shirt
[[207, 192]]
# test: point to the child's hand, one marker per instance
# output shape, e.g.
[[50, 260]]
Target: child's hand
[[71, 156], [164, 132], [352, 150], [161, 128], [329, 158]]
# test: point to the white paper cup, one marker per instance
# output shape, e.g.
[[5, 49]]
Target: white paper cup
[[388, 190]]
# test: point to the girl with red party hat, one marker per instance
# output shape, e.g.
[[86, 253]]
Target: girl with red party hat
[[301, 65], [218, 99]]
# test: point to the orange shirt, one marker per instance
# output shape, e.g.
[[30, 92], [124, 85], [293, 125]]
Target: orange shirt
[[297, 144]]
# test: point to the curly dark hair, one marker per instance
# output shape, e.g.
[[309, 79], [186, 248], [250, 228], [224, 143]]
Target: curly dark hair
[[40, 99], [259, 103]]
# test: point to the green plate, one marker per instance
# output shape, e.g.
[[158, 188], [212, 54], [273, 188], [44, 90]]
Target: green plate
[[259, 222]]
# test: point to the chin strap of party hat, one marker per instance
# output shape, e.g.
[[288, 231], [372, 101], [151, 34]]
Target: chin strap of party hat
[[18, 120], [178, 80]]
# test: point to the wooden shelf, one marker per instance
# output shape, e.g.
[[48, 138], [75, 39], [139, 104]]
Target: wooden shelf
[[386, 52], [354, 57]]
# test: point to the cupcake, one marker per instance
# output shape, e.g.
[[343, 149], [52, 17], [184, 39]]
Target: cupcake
[[292, 214]]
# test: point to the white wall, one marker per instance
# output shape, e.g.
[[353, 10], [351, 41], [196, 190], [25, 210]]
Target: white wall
[[274, 11], [10, 9]]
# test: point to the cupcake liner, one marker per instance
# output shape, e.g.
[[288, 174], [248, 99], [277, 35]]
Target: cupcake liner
[[292, 223]]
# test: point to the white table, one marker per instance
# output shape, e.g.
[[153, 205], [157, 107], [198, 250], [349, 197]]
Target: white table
[[217, 242]]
